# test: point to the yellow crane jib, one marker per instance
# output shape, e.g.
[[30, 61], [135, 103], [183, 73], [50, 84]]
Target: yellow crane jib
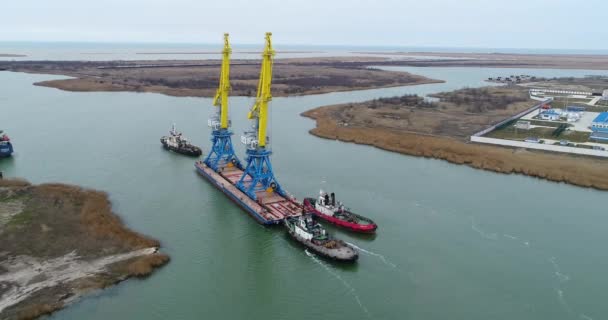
[[264, 94], [221, 96]]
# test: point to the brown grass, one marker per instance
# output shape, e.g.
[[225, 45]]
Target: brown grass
[[143, 266], [34, 311], [73, 219], [14, 183], [99, 219], [200, 78]]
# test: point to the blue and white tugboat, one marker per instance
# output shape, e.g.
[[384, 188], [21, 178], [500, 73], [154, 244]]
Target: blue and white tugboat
[[6, 148]]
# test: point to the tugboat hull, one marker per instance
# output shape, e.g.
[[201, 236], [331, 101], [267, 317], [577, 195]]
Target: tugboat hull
[[332, 249], [6, 149], [189, 150], [356, 227], [327, 253]]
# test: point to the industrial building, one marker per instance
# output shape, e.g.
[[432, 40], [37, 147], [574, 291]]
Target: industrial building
[[550, 114], [571, 114], [599, 126]]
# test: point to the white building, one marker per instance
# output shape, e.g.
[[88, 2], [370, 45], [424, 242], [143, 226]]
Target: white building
[[521, 124], [605, 95]]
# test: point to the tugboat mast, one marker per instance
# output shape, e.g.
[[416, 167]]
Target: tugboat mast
[[258, 166], [222, 152]]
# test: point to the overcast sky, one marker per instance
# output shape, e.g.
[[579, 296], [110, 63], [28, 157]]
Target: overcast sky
[[447, 23]]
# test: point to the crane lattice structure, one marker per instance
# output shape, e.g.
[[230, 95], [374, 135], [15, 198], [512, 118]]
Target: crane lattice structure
[[222, 152], [259, 168]]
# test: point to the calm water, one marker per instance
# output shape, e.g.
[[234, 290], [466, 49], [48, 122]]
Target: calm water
[[453, 243]]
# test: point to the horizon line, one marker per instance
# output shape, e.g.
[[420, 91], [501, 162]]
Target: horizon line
[[298, 44]]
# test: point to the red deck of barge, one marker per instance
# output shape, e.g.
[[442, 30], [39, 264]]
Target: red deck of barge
[[270, 205]]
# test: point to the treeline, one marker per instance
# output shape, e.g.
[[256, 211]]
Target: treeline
[[195, 84], [478, 100], [408, 100]]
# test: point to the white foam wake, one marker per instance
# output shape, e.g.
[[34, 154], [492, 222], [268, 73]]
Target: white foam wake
[[558, 272], [381, 257], [489, 236], [347, 285]]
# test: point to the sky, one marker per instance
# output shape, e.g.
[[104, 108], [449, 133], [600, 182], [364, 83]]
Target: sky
[[441, 23]]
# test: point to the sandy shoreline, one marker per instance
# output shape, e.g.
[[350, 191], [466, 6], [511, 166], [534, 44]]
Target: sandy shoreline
[[61, 242], [575, 170]]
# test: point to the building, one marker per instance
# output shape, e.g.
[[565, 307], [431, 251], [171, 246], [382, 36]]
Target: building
[[605, 95], [550, 114], [599, 126], [521, 124], [575, 109]]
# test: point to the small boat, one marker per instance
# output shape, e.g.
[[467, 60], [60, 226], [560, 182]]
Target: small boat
[[311, 234], [6, 147], [177, 143], [325, 208]]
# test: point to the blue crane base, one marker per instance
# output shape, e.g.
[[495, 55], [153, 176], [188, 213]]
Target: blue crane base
[[222, 151], [259, 169]]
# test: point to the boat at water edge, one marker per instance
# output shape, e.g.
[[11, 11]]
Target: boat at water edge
[[6, 147], [178, 143], [327, 209], [313, 236]]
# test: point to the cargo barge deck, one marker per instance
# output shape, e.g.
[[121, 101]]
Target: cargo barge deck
[[269, 208]]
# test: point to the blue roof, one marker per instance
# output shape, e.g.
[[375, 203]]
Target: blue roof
[[601, 118], [551, 111]]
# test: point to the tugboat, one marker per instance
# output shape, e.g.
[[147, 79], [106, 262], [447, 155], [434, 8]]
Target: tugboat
[[311, 234], [6, 148], [325, 208], [177, 143]]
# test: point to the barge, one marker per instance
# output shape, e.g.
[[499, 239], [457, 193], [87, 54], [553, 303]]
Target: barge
[[253, 185], [270, 208]]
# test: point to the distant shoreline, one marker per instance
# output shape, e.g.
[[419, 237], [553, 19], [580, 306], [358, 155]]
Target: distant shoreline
[[11, 55], [219, 53], [502, 60], [198, 78]]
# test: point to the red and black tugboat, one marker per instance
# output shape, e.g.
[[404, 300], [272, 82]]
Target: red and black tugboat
[[326, 208]]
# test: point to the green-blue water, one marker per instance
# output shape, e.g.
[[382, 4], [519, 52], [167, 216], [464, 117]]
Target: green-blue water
[[453, 242]]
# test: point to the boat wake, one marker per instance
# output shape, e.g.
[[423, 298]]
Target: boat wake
[[381, 257], [347, 285], [557, 271], [562, 300], [489, 236]]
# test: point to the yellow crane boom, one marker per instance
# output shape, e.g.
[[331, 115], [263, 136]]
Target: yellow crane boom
[[221, 96], [264, 94]]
